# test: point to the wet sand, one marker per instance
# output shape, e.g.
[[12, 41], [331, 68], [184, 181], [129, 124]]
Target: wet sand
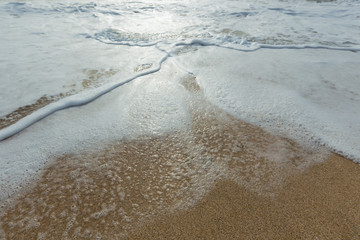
[[321, 203], [222, 178], [93, 76]]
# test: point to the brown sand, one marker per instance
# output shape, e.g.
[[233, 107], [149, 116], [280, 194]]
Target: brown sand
[[21, 112], [93, 77], [220, 179], [322, 203]]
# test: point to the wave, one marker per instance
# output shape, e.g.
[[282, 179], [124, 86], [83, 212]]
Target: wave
[[111, 37]]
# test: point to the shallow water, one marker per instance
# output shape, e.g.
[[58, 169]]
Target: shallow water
[[114, 69], [109, 193]]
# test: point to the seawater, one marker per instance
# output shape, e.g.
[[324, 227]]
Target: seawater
[[290, 67]]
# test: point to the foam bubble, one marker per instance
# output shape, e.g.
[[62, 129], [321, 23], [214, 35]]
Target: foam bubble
[[303, 94], [152, 105]]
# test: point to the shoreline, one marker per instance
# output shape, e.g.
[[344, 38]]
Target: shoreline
[[221, 178], [318, 202]]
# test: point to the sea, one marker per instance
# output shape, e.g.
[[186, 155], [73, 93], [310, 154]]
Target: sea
[[77, 74]]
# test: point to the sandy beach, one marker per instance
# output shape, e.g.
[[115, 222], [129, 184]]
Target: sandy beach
[[176, 119], [221, 179], [320, 203]]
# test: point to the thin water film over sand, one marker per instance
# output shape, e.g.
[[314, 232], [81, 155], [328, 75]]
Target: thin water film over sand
[[93, 77], [163, 148], [108, 194]]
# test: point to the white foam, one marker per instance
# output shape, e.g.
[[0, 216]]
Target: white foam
[[151, 105], [305, 94], [62, 71], [290, 66], [74, 100]]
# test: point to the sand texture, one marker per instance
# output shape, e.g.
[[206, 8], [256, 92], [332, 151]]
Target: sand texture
[[321, 203], [222, 178]]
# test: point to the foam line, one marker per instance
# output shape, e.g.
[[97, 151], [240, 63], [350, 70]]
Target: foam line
[[251, 47], [126, 43], [309, 47], [244, 47], [203, 43], [79, 99], [151, 44], [71, 101]]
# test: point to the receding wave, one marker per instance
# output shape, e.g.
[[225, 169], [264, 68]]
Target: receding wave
[[149, 176], [115, 37], [94, 78]]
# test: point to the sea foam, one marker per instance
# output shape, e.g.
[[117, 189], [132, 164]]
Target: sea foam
[[288, 66], [304, 94]]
